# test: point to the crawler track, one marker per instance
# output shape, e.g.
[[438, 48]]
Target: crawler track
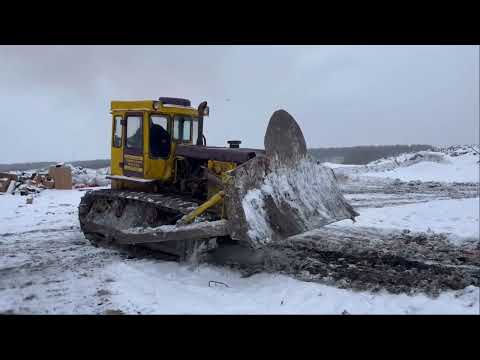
[[104, 211]]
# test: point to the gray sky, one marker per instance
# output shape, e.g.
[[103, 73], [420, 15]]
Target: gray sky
[[54, 100]]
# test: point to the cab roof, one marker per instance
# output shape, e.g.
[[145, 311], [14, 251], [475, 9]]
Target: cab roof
[[153, 106]]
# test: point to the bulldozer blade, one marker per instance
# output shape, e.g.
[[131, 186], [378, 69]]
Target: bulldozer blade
[[284, 192], [141, 235]]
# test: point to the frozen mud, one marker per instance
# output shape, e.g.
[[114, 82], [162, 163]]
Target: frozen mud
[[365, 259]]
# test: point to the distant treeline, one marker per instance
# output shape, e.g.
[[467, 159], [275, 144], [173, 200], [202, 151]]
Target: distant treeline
[[360, 155], [91, 164], [357, 155]]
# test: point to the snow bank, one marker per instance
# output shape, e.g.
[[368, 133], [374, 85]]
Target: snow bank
[[463, 168], [457, 217], [449, 164], [89, 177]]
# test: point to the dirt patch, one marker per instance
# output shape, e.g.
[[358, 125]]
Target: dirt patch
[[103, 292], [113, 312], [364, 259]]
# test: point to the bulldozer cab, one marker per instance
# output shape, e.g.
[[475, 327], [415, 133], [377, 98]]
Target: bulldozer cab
[[146, 133]]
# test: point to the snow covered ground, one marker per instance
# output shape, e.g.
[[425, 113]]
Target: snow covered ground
[[48, 267], [457, 217], [461, 165], [462, 169], [151, 287], [51, 210]]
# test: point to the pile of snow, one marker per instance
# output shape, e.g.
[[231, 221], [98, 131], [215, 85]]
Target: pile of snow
[[458, 150], [457, 217], [449, 164], [390, 163], [83, 177], [464, 169]]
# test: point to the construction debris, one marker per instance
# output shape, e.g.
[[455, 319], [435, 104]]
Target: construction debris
[[11, 187], [8, 176], [61, 176], [6, 180]]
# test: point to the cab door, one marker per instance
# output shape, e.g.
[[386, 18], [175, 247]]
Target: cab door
[[133, 162], [161, 154], [117, 145]]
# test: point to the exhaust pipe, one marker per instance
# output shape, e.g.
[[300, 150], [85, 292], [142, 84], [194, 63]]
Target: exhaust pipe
[[202, 110]]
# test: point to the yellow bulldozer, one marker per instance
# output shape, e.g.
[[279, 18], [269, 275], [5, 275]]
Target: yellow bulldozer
[[173, 193]]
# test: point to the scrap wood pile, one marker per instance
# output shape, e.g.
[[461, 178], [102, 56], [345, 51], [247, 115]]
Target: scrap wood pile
[[33, 182], [24, 184], [60, 177]]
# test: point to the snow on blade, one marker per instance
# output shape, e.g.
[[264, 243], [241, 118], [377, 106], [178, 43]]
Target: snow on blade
[[254, 208], [289, 200], [284, 192]]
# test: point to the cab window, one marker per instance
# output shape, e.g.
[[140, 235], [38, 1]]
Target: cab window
[[160, 120], [187, 125], [194, 130], [182, 128], [117, 132], [134, 132], [176, 128], [159, 137]]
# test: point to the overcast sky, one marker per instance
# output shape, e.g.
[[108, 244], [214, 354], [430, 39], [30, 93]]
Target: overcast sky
[[54, 100]]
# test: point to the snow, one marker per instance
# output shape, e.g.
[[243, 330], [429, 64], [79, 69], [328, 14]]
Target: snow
[[51, 209], [460, 169], [460, 164], [253, 206], [89, 177], [306, 191], [48, 267], [168, 288], [335, 165], [140, 180], [457, 217]]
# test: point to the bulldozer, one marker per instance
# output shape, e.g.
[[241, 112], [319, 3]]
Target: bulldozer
[[173, 193]]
